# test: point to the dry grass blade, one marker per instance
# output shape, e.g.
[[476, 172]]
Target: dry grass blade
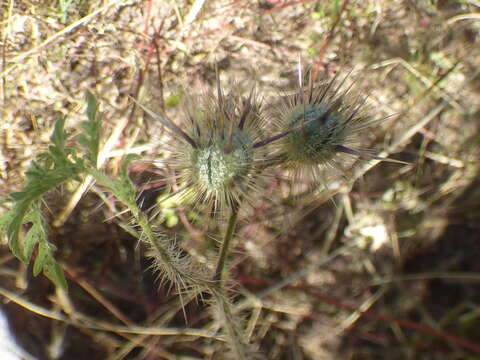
[[95, 324]]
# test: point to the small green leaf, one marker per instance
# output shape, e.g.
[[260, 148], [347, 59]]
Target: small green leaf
[[41, 258], [19, 212], [92, 106], [54, 272], [33, 237], [122, 187], [59, 135], [90, 139], [18, 196], [126, 162], [5, 221]]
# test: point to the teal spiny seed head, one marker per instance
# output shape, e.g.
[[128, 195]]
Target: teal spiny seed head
[[314, 134], [314, 123], [315, 130]]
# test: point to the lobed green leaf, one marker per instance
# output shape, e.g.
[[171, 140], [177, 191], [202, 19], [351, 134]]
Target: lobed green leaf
[[90, 139], [54, 272], [59, 135]]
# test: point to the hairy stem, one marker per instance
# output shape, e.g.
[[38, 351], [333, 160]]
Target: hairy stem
[[234, 336], [232, 222], [179, 270]]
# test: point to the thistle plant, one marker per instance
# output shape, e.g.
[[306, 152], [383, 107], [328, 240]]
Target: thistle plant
[[61, 164], [219, 155]]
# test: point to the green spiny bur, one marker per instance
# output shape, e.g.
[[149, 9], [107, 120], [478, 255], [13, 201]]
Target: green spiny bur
[[315, 134], [217, 167]]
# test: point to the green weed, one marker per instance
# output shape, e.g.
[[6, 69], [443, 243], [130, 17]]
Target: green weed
[[219, 155]]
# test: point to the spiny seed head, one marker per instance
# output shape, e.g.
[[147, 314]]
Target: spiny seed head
[[314, 134], [315, 126], [316, 120], [216, 162], [216, 169]]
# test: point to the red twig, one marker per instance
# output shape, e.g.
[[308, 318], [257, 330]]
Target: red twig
[[376, 317], [152, 49], [403, 323], [326, 43], [159, 65]]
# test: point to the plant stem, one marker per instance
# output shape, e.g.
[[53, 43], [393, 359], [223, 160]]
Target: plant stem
[[232, 222]]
